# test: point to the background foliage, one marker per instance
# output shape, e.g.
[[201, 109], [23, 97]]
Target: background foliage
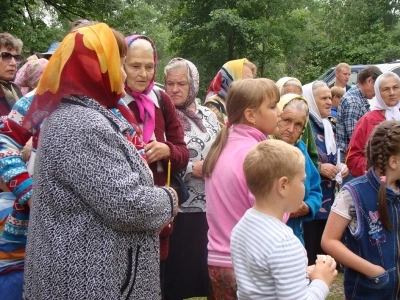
[[301, 38]]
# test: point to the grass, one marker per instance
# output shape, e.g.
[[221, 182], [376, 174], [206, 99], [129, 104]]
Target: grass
[[336, 290]]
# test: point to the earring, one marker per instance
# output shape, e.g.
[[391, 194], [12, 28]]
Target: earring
[[254, 123]]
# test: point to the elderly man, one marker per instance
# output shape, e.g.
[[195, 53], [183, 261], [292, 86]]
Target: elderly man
[[342, 74], [10, 55], [354, 105]]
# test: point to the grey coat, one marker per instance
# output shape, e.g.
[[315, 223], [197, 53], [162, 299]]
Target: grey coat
[[93, 229]]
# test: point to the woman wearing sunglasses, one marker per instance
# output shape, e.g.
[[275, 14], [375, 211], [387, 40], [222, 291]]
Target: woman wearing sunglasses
[[10, 55]]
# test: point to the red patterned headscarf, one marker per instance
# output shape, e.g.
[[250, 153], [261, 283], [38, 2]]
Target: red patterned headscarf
[[230, 71], [87, 62]]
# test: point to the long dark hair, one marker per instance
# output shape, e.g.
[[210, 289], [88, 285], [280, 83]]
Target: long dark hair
[[383, 143]]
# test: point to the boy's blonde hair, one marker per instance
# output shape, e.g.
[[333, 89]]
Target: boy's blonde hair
[[269, 161], [337, 91], [242, 94], [342, 66]]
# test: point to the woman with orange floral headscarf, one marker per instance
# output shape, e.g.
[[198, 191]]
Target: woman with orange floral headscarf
[[95, 213]]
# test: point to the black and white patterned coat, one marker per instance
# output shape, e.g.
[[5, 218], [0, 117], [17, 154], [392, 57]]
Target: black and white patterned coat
[[93, 230]]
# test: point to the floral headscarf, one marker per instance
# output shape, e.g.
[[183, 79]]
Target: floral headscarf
[[392, 112], [29, 74], [87, 62], [230, 71], [144, 102], [183, 111]]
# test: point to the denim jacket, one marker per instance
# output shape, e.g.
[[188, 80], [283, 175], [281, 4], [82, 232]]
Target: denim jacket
[[373, 242]]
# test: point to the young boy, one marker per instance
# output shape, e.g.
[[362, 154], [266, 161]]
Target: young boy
[[269, 261]]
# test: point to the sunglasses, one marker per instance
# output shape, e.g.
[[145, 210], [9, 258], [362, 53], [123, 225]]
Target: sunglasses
[[5, 56]]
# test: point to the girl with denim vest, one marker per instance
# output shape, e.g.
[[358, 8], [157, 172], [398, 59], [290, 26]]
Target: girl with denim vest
[[367, 211]]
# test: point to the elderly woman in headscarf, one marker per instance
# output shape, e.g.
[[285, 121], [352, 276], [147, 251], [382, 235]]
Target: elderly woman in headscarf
[[216, 93], [291, 85], [14, 208], [186, 267], [294, 118], [156, 114], [386, 107], [95, 213], [27, 77], [319, 98]]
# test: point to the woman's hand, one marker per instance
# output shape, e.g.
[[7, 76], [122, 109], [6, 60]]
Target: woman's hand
[[302, 211], [174, 211], [198, 169], [329, 171], [156, 151], [344, 169]]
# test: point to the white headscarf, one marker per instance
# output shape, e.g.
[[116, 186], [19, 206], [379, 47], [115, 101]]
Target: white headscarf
[[281, 83], [330, 142], [392, 112]]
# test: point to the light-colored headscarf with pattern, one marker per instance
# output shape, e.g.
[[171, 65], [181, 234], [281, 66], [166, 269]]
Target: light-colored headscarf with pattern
[[184, 112], [29, 74]]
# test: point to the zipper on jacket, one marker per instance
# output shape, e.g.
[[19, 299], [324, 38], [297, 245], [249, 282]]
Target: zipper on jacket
[[134, 275], [128, 271]]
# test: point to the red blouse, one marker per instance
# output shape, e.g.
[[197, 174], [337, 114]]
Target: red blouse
[[170, 132], [357, 162]]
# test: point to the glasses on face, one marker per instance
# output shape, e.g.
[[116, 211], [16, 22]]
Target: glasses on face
[[6, 56]]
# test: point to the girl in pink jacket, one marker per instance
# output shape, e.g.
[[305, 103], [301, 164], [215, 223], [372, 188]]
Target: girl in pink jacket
[[252, 110]]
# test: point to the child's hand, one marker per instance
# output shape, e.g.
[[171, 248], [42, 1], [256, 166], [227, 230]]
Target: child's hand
[[324, 270]]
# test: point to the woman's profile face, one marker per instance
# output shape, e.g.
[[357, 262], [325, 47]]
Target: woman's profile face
[[177, 86], [291, 89], [139, 68], [291, 125], [247, 72], [390, 91], [123, 76]]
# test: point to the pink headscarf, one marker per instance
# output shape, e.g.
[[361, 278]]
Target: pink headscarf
[[29, 74], [144, 102]]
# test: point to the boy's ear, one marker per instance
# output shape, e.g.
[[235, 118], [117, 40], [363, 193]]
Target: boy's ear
[[249, 115], [282, 186]]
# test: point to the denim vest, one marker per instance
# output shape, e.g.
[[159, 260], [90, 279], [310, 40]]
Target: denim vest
[[373, 242]]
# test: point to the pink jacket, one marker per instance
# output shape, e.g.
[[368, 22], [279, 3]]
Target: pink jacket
[[228, 197]]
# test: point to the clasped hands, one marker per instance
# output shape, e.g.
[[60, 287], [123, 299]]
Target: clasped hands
[[330, 171]]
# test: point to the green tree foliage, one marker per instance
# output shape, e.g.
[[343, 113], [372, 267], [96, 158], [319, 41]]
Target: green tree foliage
[[296, 38], [39, 22], [145, 17]]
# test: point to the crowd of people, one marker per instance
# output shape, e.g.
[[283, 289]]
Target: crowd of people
[[112, 187]]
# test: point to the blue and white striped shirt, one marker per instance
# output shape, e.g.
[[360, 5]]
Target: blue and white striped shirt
[[270, 262]]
